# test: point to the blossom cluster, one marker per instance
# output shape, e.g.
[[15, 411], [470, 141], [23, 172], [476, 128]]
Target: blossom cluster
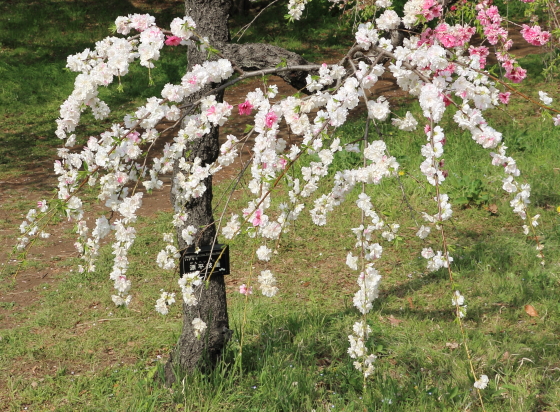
[[535, 35], [458, 302], [114, 152], [358, 349], [267, 283], [164, 301], [368, 280], [117, 150], [188, 282], [30, 226], [124, 238], [296, 7], [522, 191]]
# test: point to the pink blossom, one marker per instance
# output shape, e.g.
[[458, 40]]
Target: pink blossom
[[508, 64], [448, 36], [431, 9], [122, 178], [464, 33], [444, 35], [495, 33], [245, 108], [534, 35], [173, 41], [446, 100], [489, 16], [134, 137], [190, 78], [455, 36], [481, 17], [244, 290], [517, 74], [257, 219], [494, 15], [426, 37], [448, 71], [270, 119], [556, 120], [501, 57], [504, 97]]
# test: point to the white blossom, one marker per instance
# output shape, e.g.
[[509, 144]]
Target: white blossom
[[199, 326], [264, 253], [545, 98], [267, 283], [482, 382]]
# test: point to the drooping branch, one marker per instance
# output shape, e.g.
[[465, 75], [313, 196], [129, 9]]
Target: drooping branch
[[258, 56]]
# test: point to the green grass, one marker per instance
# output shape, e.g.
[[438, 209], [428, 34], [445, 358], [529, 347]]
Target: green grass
[[322, 31], [73, 350]]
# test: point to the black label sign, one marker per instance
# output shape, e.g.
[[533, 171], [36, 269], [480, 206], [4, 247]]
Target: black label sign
[[208, 257]]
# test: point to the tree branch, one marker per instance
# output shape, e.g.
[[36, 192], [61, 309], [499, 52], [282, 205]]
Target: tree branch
[[258, 56]]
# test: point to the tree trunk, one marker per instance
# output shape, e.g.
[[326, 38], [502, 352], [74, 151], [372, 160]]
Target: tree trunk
[[211, 18]]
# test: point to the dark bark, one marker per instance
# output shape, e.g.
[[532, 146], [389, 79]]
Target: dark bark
[[191, 352], [211, 18]]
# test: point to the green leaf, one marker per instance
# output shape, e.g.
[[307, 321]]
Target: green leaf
[[470, 376], [454, 392], [283, 63], [510, 387], [151, 373], [211, 51]]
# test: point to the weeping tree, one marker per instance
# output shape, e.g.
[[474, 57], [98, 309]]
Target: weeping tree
[[439, 67]]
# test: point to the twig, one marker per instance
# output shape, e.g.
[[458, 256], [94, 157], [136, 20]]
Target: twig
[[244, 28], [99, 321]]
